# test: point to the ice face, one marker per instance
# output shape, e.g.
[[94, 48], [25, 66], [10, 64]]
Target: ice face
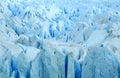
[[98, 62], [59, 39]]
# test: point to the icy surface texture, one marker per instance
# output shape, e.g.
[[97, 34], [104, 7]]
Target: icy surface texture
[[100, 63], [59, 38]]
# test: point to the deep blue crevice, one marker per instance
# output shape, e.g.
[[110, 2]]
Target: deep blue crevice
[[119, 70], [45, 35], [77, 69], [13, 66], [65, 11], [38, 44], [28, 70], [28, 74], [17, 75], [66, 66], [51, 31], [17, 30]]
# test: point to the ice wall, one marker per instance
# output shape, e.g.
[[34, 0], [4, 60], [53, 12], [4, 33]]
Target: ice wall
[[59, 39]]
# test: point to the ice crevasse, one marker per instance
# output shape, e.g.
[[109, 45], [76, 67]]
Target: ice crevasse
[[59, 39]]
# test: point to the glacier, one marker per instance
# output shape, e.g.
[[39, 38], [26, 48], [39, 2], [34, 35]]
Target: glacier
[[59, 39]]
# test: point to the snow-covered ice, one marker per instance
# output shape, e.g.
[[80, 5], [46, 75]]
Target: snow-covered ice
[[59, 39]]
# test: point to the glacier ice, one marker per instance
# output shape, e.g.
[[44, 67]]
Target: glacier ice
[[59, 39], [100, 63]]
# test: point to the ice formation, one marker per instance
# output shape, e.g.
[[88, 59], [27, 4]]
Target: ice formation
[[59, 39]]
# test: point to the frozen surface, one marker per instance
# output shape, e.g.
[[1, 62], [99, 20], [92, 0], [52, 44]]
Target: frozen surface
[[59, 39]]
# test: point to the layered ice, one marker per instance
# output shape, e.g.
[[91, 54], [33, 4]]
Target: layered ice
[[59, 39]]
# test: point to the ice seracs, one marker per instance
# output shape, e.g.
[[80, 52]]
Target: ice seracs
[[59, 39]]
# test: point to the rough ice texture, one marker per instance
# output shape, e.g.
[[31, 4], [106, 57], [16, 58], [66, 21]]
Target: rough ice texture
[[59, 39], [100, 63]]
